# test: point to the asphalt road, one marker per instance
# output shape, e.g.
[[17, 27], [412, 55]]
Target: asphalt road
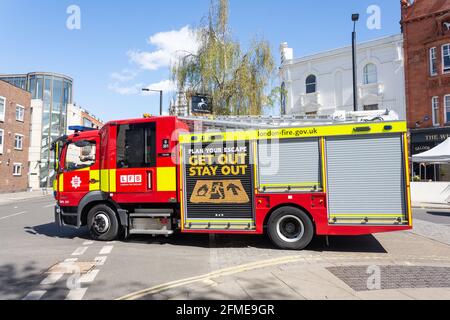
[[438, 216], [38, 260], [31, 244]]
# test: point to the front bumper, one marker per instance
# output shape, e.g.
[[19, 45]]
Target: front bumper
[[63, 219]]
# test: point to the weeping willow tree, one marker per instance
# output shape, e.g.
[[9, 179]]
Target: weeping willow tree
[[235, 79]]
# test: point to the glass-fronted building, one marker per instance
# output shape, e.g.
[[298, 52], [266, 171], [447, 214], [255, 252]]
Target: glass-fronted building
[[54, 93]]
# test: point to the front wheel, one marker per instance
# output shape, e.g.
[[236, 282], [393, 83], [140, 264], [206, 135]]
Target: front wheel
[[103, 224], [290, 228]]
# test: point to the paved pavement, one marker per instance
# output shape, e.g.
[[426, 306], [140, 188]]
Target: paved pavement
[[7, 198], [40, 261]]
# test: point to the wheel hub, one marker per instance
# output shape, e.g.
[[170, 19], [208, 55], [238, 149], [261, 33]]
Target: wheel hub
[[101, 223], [290, 228]]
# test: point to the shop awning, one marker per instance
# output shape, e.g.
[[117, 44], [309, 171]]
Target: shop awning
[[437, 155]]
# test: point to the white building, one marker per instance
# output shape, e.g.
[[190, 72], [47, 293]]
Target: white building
[[179, 106], [78, 116], [322, 83]]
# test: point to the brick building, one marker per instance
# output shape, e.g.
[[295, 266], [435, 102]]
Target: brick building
[[426, 34], [426, 30], [15, 117]]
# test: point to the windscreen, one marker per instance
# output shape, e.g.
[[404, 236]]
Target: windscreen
[[80, 156]]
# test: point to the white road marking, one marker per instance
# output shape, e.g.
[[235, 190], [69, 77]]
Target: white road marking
[[35, 295], [13, 215], [89, 277], [100, 261], [52, 279], [106, 250], [79, 251], [76, 294], [48, 206]]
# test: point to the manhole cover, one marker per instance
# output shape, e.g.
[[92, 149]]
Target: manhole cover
[[72, 267], [360, 278]]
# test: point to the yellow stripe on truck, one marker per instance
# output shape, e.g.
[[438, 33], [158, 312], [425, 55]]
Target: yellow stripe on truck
[[94, 175], [166, 179], [307, 132], [104, 176], [112, 180], [61, 183]]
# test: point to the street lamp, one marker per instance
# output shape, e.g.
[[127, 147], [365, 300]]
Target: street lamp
[[355, 18], [160, 99]]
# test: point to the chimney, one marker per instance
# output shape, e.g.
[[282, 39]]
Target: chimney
[[286, 52]]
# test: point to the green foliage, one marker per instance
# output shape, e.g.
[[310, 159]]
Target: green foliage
[[235, 80]]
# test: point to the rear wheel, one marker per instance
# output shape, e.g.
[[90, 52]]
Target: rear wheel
[[290, 228], [103, 223]]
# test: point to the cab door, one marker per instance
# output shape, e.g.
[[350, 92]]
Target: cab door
[[136, 158], [80, 173]]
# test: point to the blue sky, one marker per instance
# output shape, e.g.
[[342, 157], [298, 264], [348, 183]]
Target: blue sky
[[123, 45]]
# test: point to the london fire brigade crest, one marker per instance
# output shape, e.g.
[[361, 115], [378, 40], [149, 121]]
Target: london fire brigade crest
[[76, 182]]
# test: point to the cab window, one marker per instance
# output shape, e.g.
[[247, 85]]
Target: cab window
[[136, 146], [80, 155]]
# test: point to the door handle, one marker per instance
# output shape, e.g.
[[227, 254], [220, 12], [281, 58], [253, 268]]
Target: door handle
[[93, 181]]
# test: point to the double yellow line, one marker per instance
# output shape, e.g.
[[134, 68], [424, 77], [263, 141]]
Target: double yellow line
[[213, 275]]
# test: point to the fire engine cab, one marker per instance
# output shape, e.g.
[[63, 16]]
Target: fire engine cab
[[290, 179]]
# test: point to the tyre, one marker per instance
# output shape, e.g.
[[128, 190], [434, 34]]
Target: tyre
[[103, 223], [290, 228]]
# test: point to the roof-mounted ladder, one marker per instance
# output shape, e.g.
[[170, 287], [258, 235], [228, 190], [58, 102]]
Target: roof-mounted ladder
[[199, 124]]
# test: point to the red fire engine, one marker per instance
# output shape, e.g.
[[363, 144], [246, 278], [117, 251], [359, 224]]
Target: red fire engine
[[156, 176]]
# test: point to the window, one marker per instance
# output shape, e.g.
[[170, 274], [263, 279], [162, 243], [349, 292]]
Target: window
[[136, 146], [17, 169], [447, 108], [80, 155], [435, 107], [2, 134], [446, 58], [371, 107], [2, 108], [311, 84], [433, 62], [370, 74], [18, 142], [20, 113], [88, 123]]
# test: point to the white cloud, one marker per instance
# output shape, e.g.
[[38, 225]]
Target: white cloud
[[168, 45], [165, 85], [124, 75], [126, 90]]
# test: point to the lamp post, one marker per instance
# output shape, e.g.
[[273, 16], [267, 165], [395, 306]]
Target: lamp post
[[355, 18], [160, 99]]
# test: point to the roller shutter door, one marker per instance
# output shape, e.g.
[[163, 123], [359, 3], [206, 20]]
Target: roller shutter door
[[366, 177], [290, 163]]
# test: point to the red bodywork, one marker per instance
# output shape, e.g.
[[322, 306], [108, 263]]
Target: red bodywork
[[169, 128]]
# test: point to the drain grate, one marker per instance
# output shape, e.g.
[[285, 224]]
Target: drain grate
[[72, 267], [393, 277]]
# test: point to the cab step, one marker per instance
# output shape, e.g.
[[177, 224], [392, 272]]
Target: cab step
[[151, 222], [152, 232], [151, 213]]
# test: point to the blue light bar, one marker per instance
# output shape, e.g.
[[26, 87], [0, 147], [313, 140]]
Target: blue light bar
[[80, 129]]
